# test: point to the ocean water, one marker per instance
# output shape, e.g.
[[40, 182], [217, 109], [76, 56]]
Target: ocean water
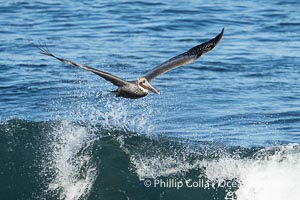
[[224, 127]]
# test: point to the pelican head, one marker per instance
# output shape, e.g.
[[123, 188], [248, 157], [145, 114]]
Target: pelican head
[[145, 86]]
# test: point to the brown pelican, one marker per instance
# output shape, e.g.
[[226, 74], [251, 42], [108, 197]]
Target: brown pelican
[[140, 87]]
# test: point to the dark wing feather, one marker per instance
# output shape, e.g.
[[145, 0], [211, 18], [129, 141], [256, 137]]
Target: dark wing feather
[[184, 58], [107, 76]]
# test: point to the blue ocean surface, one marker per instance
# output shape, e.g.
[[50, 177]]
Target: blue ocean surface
[[224, 127]]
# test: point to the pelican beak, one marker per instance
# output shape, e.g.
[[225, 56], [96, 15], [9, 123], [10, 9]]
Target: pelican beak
[[147, 86]]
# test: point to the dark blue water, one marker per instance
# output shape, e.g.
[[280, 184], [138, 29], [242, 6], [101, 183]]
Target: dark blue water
[[231, 118]]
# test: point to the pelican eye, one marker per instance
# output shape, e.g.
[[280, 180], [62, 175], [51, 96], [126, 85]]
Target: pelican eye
[[144, 81]]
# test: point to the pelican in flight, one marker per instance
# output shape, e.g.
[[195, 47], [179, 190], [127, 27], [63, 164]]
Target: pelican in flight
[[141, 87]]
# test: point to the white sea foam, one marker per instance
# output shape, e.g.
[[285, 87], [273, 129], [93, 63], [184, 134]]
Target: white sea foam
[[68, 160], [274, 177], [273, 173]]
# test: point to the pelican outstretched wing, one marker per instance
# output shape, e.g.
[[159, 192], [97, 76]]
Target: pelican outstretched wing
[[184, 58], [107, 76]]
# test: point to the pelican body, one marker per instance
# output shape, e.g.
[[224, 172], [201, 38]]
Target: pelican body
[[135, 89], [141, 87]]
